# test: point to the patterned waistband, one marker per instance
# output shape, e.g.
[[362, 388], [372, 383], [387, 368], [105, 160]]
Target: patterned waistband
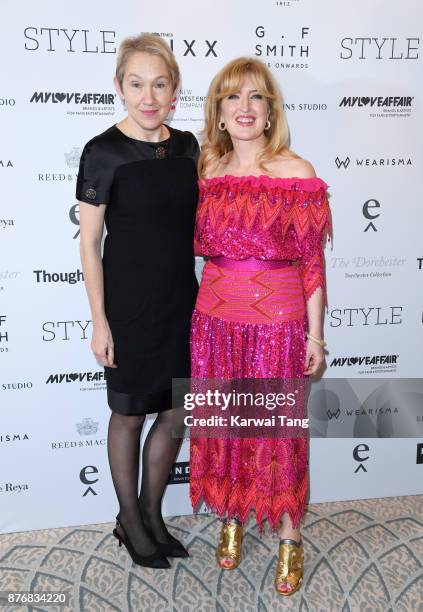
[[251, 263], [251, 296]]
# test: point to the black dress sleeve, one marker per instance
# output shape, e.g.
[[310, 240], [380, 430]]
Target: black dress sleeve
[[96, 173]]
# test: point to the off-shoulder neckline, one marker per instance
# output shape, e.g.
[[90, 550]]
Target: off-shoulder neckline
[[308, 184]]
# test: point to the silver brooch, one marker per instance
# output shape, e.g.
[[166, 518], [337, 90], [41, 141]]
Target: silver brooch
[[160, 152], [91, 194]]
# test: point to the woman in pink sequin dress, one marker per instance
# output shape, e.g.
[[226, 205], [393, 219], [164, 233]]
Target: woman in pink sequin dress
[[261, 223]]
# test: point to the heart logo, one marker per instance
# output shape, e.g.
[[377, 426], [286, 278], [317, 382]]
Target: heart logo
[[353, 360], [60, 96], [74, 376], [365, 101]]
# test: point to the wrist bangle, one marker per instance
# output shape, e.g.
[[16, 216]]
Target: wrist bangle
[[318, 341]]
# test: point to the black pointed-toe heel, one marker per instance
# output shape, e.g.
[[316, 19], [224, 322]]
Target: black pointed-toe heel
[[174, 549], [156, 560]]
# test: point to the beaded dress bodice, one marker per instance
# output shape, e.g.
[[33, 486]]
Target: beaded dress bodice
[[266, 218]]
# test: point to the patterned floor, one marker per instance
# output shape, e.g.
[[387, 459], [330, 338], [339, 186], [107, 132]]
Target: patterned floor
[[360, 556]]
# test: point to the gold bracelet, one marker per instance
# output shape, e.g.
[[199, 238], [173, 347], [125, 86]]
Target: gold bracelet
[[318, 341]]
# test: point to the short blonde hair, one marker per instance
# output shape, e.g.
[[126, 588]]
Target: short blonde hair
[[146, 43], [229, 80]]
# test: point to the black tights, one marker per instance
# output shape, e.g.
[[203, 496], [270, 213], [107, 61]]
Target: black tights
[[160, 449]]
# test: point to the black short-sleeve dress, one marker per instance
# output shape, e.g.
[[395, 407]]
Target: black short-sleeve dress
[[148, 262]]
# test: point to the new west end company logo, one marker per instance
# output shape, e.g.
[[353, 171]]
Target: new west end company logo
[[380, 48], [58, 97], [288, 53], [75, 377], [188, 98], [71, 278], [369, 162], [364, 360]]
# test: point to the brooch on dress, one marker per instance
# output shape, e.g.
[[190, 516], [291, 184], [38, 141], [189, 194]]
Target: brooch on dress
[[160, 152], [91, 194]]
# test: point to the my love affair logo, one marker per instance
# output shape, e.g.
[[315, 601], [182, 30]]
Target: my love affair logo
[[372, 360], [75, 376], [377, 101], [75, 97]]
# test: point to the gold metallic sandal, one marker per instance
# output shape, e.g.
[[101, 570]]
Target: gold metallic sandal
[[229, 545], [290, 567]]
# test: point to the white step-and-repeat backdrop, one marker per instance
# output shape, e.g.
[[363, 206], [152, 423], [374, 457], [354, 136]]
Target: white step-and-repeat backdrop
[[351, 77]]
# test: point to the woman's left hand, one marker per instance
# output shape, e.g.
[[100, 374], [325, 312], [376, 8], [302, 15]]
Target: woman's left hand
[[315, 358]]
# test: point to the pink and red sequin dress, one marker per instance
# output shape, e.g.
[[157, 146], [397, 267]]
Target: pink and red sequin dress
[[264, 237]]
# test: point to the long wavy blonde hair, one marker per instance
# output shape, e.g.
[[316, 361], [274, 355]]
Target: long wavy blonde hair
[[229, 80]]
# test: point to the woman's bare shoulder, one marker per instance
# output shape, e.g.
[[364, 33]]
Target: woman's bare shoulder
[[292, 165]]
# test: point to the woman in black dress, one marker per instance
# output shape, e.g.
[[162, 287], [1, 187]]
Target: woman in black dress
[[139, 179]]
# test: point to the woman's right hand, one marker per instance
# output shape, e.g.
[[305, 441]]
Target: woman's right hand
[[102, 345]]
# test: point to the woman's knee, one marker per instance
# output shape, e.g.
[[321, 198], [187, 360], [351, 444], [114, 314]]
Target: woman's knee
[[129, 422]]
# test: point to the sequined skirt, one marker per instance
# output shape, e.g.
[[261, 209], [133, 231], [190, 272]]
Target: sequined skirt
[[249, 324]]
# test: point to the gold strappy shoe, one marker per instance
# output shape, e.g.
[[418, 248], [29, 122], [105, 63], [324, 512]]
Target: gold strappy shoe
[[229, 545], [290, 567]]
